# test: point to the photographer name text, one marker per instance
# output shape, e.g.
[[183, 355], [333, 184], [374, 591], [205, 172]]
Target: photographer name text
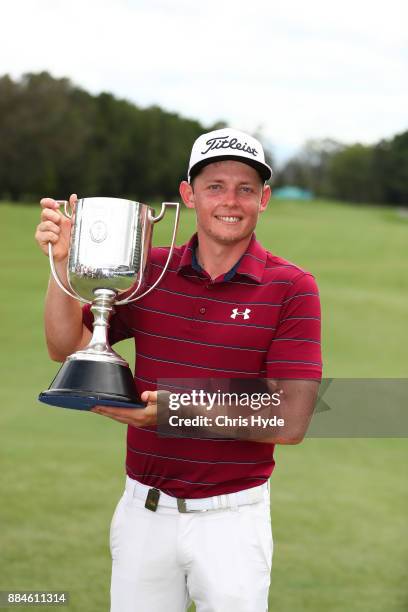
[[225, 421]]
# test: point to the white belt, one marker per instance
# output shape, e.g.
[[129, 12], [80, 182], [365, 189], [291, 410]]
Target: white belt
[[154, 498]]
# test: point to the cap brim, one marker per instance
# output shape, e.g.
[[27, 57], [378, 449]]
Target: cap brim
[[264, 170]]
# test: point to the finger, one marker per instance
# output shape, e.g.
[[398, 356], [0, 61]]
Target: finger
[[46, 237], [118, 419], [49, 203], [49, 226], [149, 396], [114, 417], [124, 413], [49, 214]]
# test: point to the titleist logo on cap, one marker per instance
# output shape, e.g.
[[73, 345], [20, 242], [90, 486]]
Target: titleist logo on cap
[[225, 142]]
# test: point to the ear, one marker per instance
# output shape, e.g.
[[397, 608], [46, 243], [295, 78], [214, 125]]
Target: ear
[[266, 194], [187, 194]]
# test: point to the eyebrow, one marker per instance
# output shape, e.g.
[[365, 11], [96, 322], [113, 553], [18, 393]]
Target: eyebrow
[[220, 180]]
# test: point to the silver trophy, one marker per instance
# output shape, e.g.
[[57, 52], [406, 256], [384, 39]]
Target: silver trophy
[[107, 266]]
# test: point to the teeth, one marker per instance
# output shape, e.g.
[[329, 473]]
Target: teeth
[[229, 219]]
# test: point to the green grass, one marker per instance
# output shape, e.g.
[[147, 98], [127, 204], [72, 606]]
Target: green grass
[[339, 506]]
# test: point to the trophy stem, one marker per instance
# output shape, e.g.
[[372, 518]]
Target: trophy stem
[[95, 374], [99, 348]]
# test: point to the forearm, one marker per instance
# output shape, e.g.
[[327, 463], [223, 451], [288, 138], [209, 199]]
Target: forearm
[[64, 330], [282, 417], [268, 426]]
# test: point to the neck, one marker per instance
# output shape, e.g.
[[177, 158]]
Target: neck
[[216, 258]]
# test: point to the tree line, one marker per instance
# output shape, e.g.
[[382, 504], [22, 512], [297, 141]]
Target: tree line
[[355, 173], [55, 138]]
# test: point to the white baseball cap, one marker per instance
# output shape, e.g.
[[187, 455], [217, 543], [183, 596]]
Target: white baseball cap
[[225, 144]]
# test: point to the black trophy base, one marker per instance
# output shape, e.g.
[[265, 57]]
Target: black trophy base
[[81, 385]]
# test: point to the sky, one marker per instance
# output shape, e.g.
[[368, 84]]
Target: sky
[[289, 70]]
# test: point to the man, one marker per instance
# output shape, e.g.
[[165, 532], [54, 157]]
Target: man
[[194, 521]]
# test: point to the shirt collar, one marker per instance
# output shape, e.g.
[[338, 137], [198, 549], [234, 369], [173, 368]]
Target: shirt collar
[[251, 264]]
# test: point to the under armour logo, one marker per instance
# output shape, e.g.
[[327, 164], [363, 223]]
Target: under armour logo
[[236, 313]]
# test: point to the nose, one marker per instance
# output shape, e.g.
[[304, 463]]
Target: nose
[[230, 197]]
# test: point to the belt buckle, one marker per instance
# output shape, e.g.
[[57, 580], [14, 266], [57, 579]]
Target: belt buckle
[[182, 507]]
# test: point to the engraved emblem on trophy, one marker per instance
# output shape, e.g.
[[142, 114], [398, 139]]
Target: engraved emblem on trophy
[[108, 264]]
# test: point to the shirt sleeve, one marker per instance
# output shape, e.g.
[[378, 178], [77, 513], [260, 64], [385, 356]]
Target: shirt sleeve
[[295, 351], [118, 330]]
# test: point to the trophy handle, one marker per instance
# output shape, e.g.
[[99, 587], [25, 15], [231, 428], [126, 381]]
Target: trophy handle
[[59, 281], [68, 213], [173, 239]]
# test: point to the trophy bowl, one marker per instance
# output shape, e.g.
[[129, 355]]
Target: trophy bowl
[[108, 265]]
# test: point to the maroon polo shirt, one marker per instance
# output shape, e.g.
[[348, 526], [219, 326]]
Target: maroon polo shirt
[[184, 329]]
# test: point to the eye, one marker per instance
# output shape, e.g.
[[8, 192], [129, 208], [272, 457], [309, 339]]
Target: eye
[[214, 187], [246, 189]]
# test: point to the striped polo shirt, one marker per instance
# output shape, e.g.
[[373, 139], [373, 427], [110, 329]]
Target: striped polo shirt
[[261, 319]]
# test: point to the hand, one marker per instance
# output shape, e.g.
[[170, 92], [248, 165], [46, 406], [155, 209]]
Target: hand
[[55, 228], [137, 417]]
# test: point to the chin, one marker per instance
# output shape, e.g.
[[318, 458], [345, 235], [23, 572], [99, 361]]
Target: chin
[[230, 238]]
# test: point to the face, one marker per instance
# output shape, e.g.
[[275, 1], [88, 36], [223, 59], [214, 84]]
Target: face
[[227, 197]]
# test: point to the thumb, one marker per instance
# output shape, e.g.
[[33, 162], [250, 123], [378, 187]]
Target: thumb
[[73, 199], [145, 396]]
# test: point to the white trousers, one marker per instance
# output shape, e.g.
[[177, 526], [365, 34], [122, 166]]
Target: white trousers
[[163, 560]]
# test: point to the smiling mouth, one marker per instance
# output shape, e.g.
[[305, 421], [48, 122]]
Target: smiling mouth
[[228, 219]]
